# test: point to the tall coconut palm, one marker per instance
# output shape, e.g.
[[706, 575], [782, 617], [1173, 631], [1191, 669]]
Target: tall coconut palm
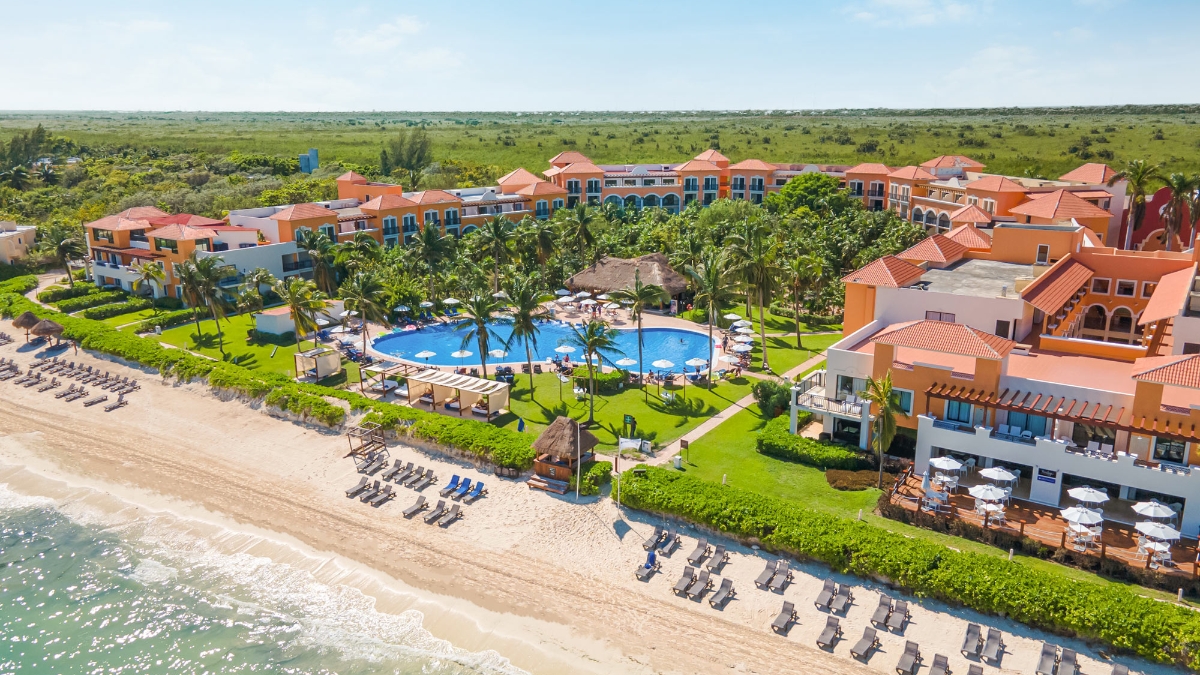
[[48, 175], [304, 301], [524, 303], [358, 252], [756, 251], [495, 237], [482, 309], [431, 248], [541, 238], [577, 225], [361, 293], [64, 243], [714, 287], [640, 296], [248, 301], [1141, 178], [595, 340], [802, 272], [1181, 190], [737, 243], [258, 277], [201, 281], [17, 177], [322, 250], [148, 275], [880, 395]]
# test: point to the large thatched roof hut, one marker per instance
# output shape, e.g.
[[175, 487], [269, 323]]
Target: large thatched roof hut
[[615, 274], [559, 440]]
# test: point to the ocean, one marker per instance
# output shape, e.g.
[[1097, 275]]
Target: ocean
[[80, 593]]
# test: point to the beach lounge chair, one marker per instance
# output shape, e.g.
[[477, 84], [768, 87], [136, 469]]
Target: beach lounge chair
[[1068, 664], [975, 669], [426, 481], [96, 400], [764, 579], [826, 595], [47, 387], [436, 512], [362, 485], [476, 492], [941, 665], [669, 541], [723, 594], [833, 630], [382, 497], [406, 473], [652, 541], [1048, 660], [452, 515], [841, 601], [65, 392], [698, 554], [783, 622], [783, 574], [451, 487], [882, 612], [973, 641], [416, 508], [700, 585], [909, 659], [718, 558], [994, 646], [416, 476], [899, 616], [647, 568], [1119, 669], [463, 488], [370, 492], [391, 473], [119, 403], [862, 648], [681, 586], [375, 466], [79, 393]]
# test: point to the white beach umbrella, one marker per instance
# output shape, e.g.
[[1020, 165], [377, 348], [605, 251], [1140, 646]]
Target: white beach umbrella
[[742, 349], [611, 305], [997, 473], [562, 292], [603, 296], [349, 313], [1158, 531], [745, 330], [426, 304], [499, 295], [461, 354], [566, 299], [744, 339], [626, 362], [565, 349], [1153, 509], [728, 358], [322, 322], [945, 463], [986, 492], [402, 308], [587, 303], [497, 353], [662, 364], [696, 363], [583, 294], [733, 317], [452, 301], [1088, 495], [426, 355], [1077, 514]]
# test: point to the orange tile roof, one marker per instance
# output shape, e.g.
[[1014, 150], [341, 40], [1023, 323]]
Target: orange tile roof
[[947, 338], [711, 156], [569, 157], [1169, 296], [518, 176], [869, 168], [383, 202], [1051, 290], [697, 165], [304, 212], [995, 184], [185, 219], [939, 249], [542, 188], [911, 173], [352, 177], [1092, 172], [116, 224], [970, 214], [183, 233], [134, 213], [581, 168], [951, 162], [433, 197], [1059, 205], [888, 271], [753, 165], [970, 236], [552, 171], [1178, 371]]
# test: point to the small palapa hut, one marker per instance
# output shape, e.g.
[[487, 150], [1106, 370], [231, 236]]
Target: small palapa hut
[[559, 447], [616, 274]]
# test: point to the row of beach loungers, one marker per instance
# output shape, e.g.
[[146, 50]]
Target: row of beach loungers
[[378, 493], [5, 339], [9, 371]]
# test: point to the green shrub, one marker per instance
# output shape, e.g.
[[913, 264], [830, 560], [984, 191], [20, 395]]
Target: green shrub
[[772, 397], [18, 285], [595, 474], [777, 440], [786, 311], [57, 293], [105, 311], [1154, 630], [168, 303], [71, 305], [287, 339], [168, 319], [18, 268], [612, 382]]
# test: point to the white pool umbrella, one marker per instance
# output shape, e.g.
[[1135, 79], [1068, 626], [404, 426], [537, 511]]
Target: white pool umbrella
[[565, 349], [945, 463], [733, 317], [745, 330], [349, 313], [452, 301], [566, 299], [997, 473], [1088, 495], [426, 355], [696, 363], [426, 304], [662, 364], [497, 353], [1157, 530], [742, 349], [986, 492], [603, 296], [562, 292], [587, 303], [1153, 509], [583, 294], [611, 305], [499, 295], [402, 308], [1082, 516], [625, 363], [729, 359], [740, 323], [744, 339], [461, 354]]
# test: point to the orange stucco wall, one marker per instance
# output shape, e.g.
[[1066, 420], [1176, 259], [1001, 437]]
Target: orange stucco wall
[[860, 307]]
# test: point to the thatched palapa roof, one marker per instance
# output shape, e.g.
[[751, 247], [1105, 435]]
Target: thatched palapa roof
[[558, 439], [26, 321], [617, 274], [46, 327]]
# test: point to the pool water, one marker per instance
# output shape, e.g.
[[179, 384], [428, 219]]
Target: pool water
[[672, 344]]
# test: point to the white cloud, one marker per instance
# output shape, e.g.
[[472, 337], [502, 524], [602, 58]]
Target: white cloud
[[379, 37], [920, 12]]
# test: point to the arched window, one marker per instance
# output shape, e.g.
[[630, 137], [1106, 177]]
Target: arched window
[[918, 215], [541, 210], [671, 203], [469, 229], [1095, 318], [1121, 321], [931, 218], [408, 225], [452, 217], [650, 201], [943, 222], [632, 202], [558, 203], [613, 199], [391, 227]]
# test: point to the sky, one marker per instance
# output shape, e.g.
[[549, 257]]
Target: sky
[[459, 55]]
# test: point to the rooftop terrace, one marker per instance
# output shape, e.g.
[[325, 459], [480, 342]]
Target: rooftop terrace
[[979, 278]]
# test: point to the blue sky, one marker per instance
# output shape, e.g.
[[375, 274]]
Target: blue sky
[[596, 55]]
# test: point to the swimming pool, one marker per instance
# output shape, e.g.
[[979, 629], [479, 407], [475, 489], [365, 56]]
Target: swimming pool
[[672, 344]]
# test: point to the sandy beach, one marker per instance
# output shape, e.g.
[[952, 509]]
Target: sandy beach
[[544, 581]]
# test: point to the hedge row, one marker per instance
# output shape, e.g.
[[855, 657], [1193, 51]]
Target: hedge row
[[595, 474], [90, 300], [612, 382], [167, 319], [19, 285], [777, 440], [58, 293], [786, 311], [1114, 614], [105, 311]]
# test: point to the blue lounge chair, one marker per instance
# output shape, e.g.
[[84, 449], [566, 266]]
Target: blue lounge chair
[[476, 493], [451, 487], [463, 488]]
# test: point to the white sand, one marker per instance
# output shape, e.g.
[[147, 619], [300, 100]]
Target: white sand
[[545, 581]]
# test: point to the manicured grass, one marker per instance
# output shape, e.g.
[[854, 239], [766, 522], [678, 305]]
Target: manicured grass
[[783, 355], [128, 317], [775, 323], [657, 420]]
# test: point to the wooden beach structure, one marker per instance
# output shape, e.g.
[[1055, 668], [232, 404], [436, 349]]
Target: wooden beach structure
[[615, 274], [561, 447], [365, 439], [457, 393]]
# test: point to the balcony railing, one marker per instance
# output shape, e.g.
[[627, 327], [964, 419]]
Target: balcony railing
[[1012, 438], [574, 190], [295, 265], [951, 425], [830, 405], [875, 193]]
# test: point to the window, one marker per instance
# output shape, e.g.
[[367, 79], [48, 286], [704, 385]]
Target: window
[[391, 227], [431, 217], [849, 386], [691, 184], [856, 188], [1126, 288], [573, 187], [1043, 254], [756, 184], [958, 412], [668, 181], [973, 200], [1148, 288], [989, 205], [1096, 318], [1170, 450], [1100, 286], [593, 186], [166, 245], [1191, 348], [939, 316], [1034, 424], [610, 182], [558, 203], [904, 399], [648, 182], [738, 183], [1003, 327], [452, 217], [631, 182], [330, 231], [541, 209]]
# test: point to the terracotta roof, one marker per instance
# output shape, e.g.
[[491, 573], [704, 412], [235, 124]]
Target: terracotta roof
[[697, 165], [1054, 288], [115, 224], [1092, 194], [711, 156], [185, 219], [995, 184], [184, 233], [518, 176], [947, 338], [433, 197], [352, 177], [939, 248], [542, 188], [304, 212], [552, 171], [970, 214], [870, 168], [1092, 172], [1169, 296], [952, 162], [569, 157], [888, 271], [135, 213], [1059, 205], [753, 165], [383, 202], [581, 167], [971, 237], [1179, 371], [911, 173]]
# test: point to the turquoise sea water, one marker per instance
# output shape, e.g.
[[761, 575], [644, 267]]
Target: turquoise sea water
[[145, 597]]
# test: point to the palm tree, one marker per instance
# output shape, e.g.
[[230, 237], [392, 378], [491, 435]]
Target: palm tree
[[879, 393], [1181, 190], [756, 261], [48, 175], [64, 243], [304, 301], [431, 247], [358, 252], [577, 227], [482, 307], [596, 339], [201, 280], [149, 275], [640, 296], [803, 273], [248, 301], [495, 236], [737, 243], [713, 288], [524, 302], [542, 238], [1141, 177], [361, 294], [17, 177], [257, 278], [322, 250]]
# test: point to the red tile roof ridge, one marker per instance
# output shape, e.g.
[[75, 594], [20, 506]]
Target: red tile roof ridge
[[697, 165], [995, 183], [1174, 371], [911, 173], [352, 177], [520, 176], [183, 233], [947, 338], [889, 271], [970, 236], [1170, 296], [1050, 291], [970, 214], [581, 167], [870, 168], [303, 212], [387, 201], [711, 155], [1060, 204], [936, 248], [433, 197], [753, 165], [951, 161], [1094, 173], [541, 188]]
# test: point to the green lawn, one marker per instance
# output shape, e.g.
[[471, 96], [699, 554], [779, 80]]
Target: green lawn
[[783, 355], [775, 323], [128, 317], [657, 421]]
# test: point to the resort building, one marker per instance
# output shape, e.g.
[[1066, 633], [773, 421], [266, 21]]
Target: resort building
[[15, 241], [1033, 346]]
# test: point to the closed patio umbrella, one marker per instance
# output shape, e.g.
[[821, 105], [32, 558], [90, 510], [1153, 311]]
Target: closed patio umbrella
[[1082, 516], [1150, 509]]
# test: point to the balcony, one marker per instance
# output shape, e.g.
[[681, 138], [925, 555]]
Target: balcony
[[810, 395], [876, 193], [950, 425], [297, 265], [574, 190]]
